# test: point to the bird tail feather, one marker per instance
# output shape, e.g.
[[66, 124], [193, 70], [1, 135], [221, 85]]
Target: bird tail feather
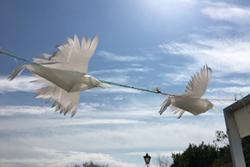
[[165, 105], [16, 72]]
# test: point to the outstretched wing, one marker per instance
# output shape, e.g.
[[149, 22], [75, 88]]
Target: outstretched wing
[[72, 56], [198, 84], [63, 101]]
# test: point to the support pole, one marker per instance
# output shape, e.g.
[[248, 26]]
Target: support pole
[[234, 140]]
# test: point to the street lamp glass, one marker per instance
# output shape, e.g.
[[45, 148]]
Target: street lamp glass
[[147, 159]]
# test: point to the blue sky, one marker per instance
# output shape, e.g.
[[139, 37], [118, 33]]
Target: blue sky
[[142, 43]]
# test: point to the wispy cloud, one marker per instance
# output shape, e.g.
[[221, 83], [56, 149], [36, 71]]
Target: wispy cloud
[[122, 70], [175, 78], [95, 132], [227, 12], [231, 90], [12, 110], [22, 84], [233, 81], [116, 89], [121, 58], [57, 158], [117, 78], [224, 55], [228, 57]]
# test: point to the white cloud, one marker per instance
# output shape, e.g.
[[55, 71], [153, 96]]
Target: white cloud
[[227, 12], [98, 129], [120, 138], [223, 55], [123, 123], [57, 158], [99, 121], [220, 100], [118, 79], [120, 70], [231, 90], [34, 110], [136, 65], [175, 78], [114, 90], [163, 7], [121, 58], [217, 29], [234, 81], [21, 83]]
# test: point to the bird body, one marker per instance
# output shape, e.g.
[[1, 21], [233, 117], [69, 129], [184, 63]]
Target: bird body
[[67, 80], [191, 101], [191, 104]]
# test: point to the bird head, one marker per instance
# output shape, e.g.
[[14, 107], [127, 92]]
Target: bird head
[[95, 82], [90, 80]]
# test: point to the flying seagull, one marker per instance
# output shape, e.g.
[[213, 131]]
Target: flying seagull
[[191, 100], [64, 74]]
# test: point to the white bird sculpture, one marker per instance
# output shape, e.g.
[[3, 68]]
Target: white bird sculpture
[[191, 100], [64, 74]]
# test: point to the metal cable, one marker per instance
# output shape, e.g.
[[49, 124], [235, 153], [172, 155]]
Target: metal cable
[[157, 91], [7, 53]]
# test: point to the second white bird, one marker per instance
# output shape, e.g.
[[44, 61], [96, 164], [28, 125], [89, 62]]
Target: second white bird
[[191, 100]]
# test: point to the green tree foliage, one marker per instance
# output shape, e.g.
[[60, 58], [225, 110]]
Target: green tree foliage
[[89, 164], [221, 139], [205, 155], [223, 157], [246, 149], [195, 156], [223, 150]]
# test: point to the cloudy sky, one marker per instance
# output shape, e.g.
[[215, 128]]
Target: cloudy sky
[[143, 43]]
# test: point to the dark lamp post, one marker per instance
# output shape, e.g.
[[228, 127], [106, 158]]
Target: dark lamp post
[[147, 159]]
